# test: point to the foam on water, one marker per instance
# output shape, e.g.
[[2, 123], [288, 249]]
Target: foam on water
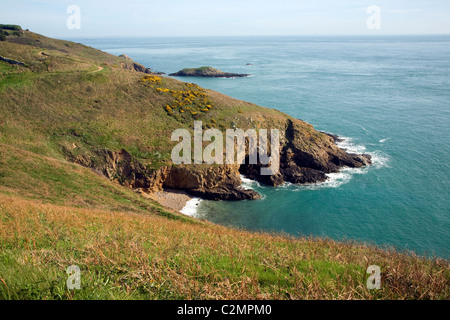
[[337, 179], [190, 209], [334, 180], [379, 159], [358, 125], [252, 184], [347, 144], [249, 183]]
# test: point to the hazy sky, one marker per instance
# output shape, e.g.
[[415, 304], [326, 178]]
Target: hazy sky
[[227, 17]]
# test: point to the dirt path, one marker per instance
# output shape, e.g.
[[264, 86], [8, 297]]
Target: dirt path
[[41, 53], [99, 69]]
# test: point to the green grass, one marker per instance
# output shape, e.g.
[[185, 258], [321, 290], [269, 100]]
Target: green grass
[[197, 69], [125, 255], [57, 181], [12, 80], [54, 213]]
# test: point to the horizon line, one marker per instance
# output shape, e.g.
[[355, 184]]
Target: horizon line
[[251, 36]]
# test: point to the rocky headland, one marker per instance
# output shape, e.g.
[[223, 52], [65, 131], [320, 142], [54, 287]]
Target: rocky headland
[[129, 64], [301, 162]]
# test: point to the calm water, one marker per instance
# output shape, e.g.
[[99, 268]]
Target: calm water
[[389, 96]]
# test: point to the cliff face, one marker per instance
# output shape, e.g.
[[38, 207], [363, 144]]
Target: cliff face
[[209, 182], [307, 158], [205, 181], [129, 64]]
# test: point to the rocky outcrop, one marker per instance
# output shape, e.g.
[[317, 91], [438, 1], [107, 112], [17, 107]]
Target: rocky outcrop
[[119, 166], [306, 157], [208, 72], [13, 62], [129, 64], [210, 182], [206, 181], [123, 55]]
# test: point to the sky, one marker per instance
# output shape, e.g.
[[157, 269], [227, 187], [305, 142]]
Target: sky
[[151, 18]]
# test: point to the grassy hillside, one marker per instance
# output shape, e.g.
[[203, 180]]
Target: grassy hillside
[[128, 255], [70, 94], [71, 99]]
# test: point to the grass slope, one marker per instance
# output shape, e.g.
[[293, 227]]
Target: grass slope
[[125, 255]]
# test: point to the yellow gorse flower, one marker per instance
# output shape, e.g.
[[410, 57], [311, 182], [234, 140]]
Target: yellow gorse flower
[[182, 100]]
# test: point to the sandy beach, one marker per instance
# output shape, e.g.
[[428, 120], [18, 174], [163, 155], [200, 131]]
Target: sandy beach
[[174, 199]]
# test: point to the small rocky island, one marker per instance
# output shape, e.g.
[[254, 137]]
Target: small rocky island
[[208, 72]]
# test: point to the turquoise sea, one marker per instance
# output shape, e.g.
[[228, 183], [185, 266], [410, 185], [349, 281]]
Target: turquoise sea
[[387, 96]]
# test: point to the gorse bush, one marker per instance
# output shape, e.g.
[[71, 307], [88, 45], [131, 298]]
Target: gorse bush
[[190, 102], [151, 80], [3, 35]]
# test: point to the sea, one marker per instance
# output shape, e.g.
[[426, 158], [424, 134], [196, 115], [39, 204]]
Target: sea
[[388, 96]]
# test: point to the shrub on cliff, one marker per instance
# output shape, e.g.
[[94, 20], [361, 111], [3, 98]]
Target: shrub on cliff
[[12, 27], [3, 35]]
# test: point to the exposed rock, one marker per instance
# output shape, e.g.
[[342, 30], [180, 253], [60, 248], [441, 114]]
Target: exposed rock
[[123, 55], [206, 181], [129, 64], [119, 166], [210, 182], [136, 67], [306, 157], [225, 193], [206, 72], [333, 136], [157, 72]]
